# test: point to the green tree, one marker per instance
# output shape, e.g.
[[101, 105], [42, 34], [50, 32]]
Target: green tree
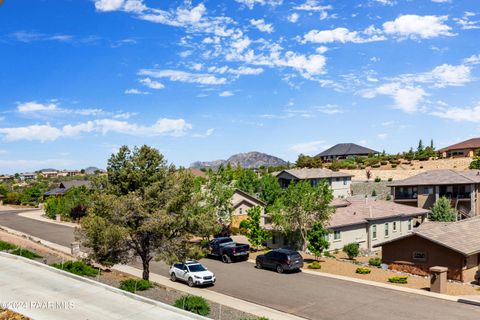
[[255, 233], [420, 146], [246, 180], [301, 206], [442, 211], [270, 190], [146, 211], [304, 161], [318, 239], [3, 190], [217, 197]]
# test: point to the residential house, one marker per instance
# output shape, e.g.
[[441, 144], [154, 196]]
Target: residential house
[[241, 202], [367, 221], [422, 190], [344, 151], [28, 176], [68, 173], [49, 174], [455, 245], [339, 182], [465, 148], [5, 178], [67, 185]]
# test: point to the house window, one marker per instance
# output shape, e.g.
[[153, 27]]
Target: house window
[[386, 229], [345, 181], [273, 239], [241, 210], [428, 190], [409, 224], [394, 226], [374, 231], [336, 235]]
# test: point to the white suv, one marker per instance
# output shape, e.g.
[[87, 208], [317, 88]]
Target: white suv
[[192, 273]]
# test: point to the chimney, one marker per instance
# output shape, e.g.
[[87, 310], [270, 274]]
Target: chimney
[[371, 212]]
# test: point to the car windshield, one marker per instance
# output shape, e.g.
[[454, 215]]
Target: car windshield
[[294, 256], [196, 268]]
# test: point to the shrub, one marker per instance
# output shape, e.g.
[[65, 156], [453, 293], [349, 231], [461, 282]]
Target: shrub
[[133, 285], [314, 265], [390, 179], [377, 165], [376, 262], [399, 279], [5, 246], [328, 254], [25, 253], [394, 166], [374, 193], [352, 166], [383, 163], [79, 268], [193, 304], [363, 270], [388, 198], [351, 249], [378, 179]]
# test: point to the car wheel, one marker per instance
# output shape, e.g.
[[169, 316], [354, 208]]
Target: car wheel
[[173, 277], [226, 259], [190, 282], [259, 264], [279, 268]]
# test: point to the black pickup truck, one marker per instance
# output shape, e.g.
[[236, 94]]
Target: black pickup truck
[[228, 250]]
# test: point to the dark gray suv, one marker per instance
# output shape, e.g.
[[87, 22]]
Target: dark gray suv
[[280, 260]]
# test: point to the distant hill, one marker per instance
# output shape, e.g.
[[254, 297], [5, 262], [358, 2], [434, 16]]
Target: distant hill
[[246, 160], [92, 170], [47, 170]]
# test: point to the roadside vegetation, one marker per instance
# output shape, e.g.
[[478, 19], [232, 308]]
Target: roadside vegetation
[[79, 268], [194, 304], [134, 285], [26, 253]]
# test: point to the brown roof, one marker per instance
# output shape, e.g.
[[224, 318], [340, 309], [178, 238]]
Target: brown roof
[[361, 211], [461, 236], [250, 198], [473, 143], [314, 173], [440, 177]]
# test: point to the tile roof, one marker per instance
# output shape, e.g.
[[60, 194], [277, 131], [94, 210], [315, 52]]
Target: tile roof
[[361, 211], [467, 144], [461, 236], [440, 177], [346, 149], [314, 173]]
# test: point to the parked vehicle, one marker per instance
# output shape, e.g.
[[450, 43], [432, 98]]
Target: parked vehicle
[[228, 250], [280, 260], [193, 273]]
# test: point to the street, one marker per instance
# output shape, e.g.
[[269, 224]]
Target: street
[[304, 295]]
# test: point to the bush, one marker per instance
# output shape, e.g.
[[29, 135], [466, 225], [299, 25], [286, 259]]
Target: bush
[[79, 268], [193, 304], [352, 166], [363, 270], [399, 279], [377, 165], [390, 179], [378, 179], [374, 193], [383, 163], [133, 285], [394, 166], [388, 198], [328, 254], [314, 265], [5, 246], [352, 250], [25, 253], [376, 262]]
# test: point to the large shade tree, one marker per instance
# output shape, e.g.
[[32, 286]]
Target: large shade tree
[[146, 210], [301, 206]]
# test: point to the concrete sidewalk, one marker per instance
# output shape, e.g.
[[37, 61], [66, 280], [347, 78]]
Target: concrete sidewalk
[[42, 292], [39, 215]]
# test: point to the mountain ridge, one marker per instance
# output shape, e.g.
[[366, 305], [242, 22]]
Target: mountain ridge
[[252, 159]]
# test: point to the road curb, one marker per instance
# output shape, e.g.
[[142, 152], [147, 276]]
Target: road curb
[[391, 287], [105, 286]]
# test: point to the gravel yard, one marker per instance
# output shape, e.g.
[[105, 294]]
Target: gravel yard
[[10, 315]]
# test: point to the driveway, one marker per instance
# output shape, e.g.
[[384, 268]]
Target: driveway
[[304, 295]]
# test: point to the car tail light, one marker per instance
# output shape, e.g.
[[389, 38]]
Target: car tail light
[[234, 250]]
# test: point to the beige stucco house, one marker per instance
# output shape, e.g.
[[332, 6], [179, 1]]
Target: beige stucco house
[[465, 148], [241, 202], [339, 182], [367, 221]]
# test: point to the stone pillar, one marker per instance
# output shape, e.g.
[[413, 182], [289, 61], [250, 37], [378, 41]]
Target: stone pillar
[[438, 279], [75, 248], [58, 218]]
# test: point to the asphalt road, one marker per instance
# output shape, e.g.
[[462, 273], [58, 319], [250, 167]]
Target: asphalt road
[[304, 295]]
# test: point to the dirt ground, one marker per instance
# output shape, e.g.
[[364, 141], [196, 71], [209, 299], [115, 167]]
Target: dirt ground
[[341, 265], [10, 315], [404, 171]]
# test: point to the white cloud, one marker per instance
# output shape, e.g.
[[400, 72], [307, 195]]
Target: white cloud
[[34, 106], [226, 94], [182, 76], [382, 136], [474, 59], [46, 132], [386, 2], [135, 91], [109, 5], [207, 133], [329, 109], [407, 98], [342, 35], [26, 36], [152, 84], [309, 147], [125, 115], [414, 27], [441, 76], [312, 5], [293, 17], [466, 21], [261, 25], [251, 3], [467, 114]]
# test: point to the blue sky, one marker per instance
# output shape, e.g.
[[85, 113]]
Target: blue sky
[[202, 80]]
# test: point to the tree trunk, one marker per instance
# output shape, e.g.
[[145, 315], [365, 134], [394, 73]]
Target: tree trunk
[[146, 268]]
